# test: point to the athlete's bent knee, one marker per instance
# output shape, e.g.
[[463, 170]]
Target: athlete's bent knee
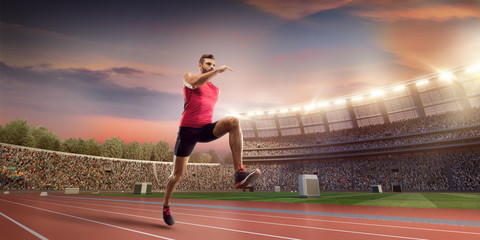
[[176, 177], [234, 122]]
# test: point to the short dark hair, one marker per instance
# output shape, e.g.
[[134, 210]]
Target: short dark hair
[[206, 56]]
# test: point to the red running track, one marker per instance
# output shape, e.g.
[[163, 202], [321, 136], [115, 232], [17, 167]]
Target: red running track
[[30, 216]]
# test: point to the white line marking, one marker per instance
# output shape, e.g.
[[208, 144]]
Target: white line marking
[[299, 226], [333, 221], [270, 223], [342, 222], [240, 231], [259, 222], [159, 219], [274, 216], [89, 220], [24, 227]]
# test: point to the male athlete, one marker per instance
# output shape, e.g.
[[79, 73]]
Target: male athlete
[[196, 126]]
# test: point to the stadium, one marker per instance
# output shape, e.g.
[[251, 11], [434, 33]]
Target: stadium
[[419, 136], [240, 119]]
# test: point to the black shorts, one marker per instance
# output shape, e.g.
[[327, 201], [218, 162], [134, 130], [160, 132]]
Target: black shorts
[[188, 137]]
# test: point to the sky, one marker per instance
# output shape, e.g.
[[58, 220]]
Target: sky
[[102, 69]]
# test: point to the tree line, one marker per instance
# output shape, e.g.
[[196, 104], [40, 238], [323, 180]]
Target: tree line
[[19, 132]]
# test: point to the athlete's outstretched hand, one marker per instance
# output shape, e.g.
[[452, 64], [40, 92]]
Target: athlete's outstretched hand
[[223, 68]]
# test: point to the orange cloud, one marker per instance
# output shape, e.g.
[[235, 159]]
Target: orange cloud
[[294, 9], [430, 46], [432, 13], [298, 56]]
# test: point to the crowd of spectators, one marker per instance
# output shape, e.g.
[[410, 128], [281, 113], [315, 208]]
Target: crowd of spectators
[[425, 173], [371, 172], [466, 171], [203, 177], [36, 169], [460, 171], [438, 172], [28, 168], [453, 125], [381, 143]]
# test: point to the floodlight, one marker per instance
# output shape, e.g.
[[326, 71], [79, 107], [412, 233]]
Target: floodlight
[[359, 98], [377, 93], [422, 82], [399, 88], [310, 107], [446, 76], [324, 104]]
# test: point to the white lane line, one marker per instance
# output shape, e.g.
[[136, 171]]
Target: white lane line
[[161, 219], [24, 227], [261, 222], [341, 222], [274, 216], [240, 231], [307, 227], [271, 216], [89, 220], [311, 219]]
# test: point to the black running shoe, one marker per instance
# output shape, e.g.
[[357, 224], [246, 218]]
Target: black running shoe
[[167, 216], [243, 178]]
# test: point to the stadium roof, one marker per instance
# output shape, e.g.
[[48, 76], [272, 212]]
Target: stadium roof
[[449, 75]]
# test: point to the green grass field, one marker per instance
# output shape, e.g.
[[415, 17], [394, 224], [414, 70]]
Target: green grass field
[[418, 200]]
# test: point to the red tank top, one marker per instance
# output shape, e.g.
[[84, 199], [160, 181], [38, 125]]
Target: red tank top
[[199, 105]]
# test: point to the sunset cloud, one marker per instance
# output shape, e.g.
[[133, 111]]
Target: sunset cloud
[[439, 13], [380, 10], [84, 91], [297, 56], [126, 71], [294, 9]]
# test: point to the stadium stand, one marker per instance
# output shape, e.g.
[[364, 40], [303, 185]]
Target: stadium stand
[[34, 169], [415, 135]]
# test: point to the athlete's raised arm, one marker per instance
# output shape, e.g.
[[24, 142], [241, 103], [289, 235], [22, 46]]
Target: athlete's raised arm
[[207, 72]]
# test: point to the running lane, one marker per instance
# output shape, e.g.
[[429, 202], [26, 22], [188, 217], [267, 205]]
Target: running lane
[[228, 222]]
